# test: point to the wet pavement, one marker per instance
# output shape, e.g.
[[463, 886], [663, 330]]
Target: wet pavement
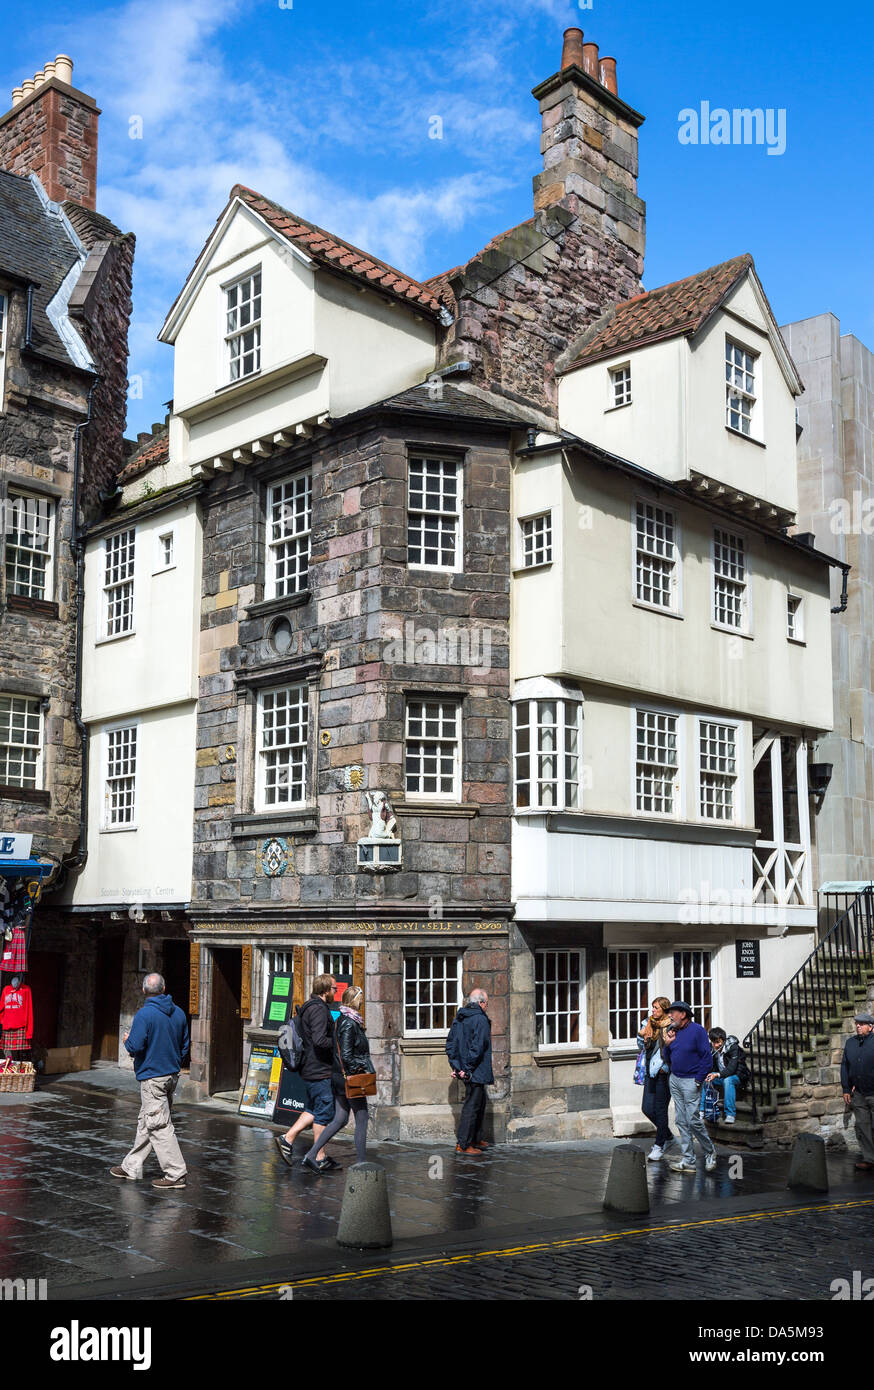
[[64, 1218]]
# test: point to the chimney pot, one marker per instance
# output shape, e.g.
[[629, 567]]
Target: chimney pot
[[17, 94], [590, 59], [572, 52], [64, 69], [27, 86], [49, 71], [608, 74], [38, 79]]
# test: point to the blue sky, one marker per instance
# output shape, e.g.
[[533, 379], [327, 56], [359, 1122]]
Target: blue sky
[[325, 106]]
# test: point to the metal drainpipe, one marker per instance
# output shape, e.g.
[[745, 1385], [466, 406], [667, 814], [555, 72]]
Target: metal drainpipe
[[77, 861], [842, 606]]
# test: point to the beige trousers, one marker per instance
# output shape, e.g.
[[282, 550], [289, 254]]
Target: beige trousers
[[155, 1130]]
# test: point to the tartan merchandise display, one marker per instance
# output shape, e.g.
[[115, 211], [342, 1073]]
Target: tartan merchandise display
[[14, 958], [15, 1040]]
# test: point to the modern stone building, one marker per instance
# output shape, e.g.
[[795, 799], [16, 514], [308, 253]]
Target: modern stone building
[[65, 278], [836, 504]]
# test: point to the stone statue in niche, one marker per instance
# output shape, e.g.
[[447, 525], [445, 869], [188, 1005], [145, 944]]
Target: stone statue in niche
[[383, 824]]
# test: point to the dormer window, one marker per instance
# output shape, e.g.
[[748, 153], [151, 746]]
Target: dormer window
[[243, 326], [620, 385], [740, 388]]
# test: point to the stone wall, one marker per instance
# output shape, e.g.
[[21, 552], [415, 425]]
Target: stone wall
[[54, 135], [522, 301]]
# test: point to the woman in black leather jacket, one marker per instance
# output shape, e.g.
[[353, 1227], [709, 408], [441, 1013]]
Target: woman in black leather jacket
[[352, 1056]]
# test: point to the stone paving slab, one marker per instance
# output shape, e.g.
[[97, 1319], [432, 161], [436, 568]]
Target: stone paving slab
[[63, 1217]]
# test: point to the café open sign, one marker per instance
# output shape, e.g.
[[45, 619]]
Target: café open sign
[[15, 847]]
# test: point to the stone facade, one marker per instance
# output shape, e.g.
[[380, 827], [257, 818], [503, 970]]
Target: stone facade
[[365, 638], [53, 134], [836, 488]]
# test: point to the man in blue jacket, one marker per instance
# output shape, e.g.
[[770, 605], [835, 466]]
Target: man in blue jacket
[[687, 1053], [157, 1041], [469, 1049]]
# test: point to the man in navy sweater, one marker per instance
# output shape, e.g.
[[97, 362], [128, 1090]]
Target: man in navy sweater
[[157, 1041], [688, 1053]]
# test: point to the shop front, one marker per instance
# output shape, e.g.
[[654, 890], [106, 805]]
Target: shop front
[[414, 973], [21, 880]]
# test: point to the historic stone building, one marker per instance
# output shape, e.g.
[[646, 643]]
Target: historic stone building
[[353, 431], [65, 279]]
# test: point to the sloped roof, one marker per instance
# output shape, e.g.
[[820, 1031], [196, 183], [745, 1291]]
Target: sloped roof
[[90, 226], [450, 401], [150, 453], [441, 284], [681, 307], [332, 251], [37, 247]]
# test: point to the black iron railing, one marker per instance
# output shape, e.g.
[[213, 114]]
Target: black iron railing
[[816, 993]]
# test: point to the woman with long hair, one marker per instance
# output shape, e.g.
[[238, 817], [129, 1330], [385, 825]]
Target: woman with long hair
[[656, 1088], [351, 1059]]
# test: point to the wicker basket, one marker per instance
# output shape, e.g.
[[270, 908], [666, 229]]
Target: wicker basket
[[22, 1079]]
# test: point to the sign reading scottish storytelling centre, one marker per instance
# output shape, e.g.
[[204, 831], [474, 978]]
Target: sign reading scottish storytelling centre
[[748, 960]]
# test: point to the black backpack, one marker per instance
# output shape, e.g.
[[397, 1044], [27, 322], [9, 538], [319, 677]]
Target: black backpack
[[290, 1042]]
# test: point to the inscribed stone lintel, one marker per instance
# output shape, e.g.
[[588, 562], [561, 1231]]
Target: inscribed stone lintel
[[292, 928]]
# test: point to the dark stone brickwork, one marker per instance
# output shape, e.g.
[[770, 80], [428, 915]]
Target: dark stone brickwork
[[54, 135]]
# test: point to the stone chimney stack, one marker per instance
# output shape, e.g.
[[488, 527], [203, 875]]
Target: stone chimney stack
[[51, 131], [589, 146]]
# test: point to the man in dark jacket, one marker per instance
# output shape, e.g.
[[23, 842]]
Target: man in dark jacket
[[317, 1033], [469, 1049], [857, 1083], [158, 1042], [687, 1053], [730, 1072]]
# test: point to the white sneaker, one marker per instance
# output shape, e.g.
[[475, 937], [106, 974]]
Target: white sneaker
[[728, 1119], [655, 1153], [681, 1167], [710, 1162]]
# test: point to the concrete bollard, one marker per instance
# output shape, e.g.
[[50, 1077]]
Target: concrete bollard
[[808, 1167], [365, 1219], [626, 1184]]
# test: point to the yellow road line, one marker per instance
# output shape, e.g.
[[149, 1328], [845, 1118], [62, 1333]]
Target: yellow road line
[[508, 1252]]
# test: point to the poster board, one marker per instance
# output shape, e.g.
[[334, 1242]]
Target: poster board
[[262, 1082], [278, 1008], [291, 1098]]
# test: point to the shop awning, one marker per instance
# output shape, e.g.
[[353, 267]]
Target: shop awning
[[24, 868]]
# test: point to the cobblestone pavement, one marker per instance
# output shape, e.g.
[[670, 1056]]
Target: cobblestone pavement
[[64, 1218], [793, 1254]]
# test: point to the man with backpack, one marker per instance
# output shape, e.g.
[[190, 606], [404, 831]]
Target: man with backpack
[[469, 1049], [316, 1055]]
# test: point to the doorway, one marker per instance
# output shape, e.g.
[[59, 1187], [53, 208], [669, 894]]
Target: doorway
[[45, 976], [225, 1026], [176, 969], [107, 998]]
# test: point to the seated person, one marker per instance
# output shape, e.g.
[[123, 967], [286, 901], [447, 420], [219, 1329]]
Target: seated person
[[731, 1072]]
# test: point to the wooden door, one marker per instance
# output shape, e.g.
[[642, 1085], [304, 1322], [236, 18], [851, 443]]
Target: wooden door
[[107, 998], [226, 1026]]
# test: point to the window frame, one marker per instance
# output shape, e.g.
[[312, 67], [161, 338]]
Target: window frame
[[451, 1009], [261, 805], [582, 1013], [455, 796], [675, 608], [304, 477], [663, 712], [738, 792], [650, 953], [796, 615], [105, 634], [26, 495], [619, 369], [562, 698], [107, 827], [710, 949], [458, 463], [256, 324], [548, 543], [746, 627], [744, 394], [40, 764], [161, 564]]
